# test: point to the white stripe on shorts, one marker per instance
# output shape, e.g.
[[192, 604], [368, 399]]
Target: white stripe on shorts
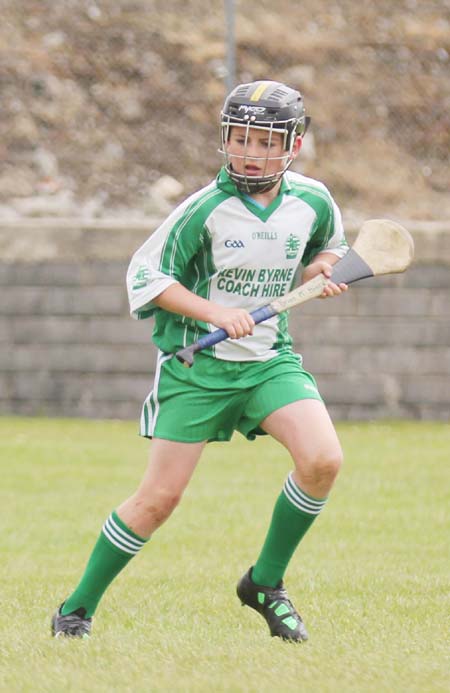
[[147, 429]]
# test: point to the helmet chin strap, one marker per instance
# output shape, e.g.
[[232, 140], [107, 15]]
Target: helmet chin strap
[[255, 184], [245, 184]]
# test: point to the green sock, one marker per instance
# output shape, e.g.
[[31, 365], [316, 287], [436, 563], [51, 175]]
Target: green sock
[[293, 515], [115, 547]]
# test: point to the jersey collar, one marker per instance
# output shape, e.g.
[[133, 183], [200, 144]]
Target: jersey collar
[[225, 183]]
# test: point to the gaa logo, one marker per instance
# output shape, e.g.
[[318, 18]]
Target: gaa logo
[[234, 244]]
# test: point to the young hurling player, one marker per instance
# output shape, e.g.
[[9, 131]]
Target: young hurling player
[[229, 248]]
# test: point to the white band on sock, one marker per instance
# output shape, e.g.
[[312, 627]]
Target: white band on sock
[[301, 500], [117, 536]]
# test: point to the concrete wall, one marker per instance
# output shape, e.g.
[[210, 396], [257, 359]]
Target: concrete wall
[[68, 347]]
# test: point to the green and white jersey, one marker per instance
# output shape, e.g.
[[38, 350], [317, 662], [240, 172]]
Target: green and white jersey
[[224, 247]]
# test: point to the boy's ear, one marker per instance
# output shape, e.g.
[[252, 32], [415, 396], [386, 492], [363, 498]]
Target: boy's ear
[[297, 146]]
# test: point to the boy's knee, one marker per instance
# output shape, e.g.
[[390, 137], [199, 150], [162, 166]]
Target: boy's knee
[[323, 468], [332, 463], [160, 505]]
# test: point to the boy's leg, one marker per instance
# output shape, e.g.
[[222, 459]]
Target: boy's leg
[[305, 429], [126, 530], [168, 473]]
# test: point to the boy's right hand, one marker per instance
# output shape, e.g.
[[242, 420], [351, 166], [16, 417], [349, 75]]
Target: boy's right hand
[[236, 322]]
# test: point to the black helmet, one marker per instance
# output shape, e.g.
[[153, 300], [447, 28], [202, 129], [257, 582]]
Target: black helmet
[[269, 106]]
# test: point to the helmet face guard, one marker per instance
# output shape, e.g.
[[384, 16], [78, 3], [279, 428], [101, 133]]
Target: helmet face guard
[[271, 107]]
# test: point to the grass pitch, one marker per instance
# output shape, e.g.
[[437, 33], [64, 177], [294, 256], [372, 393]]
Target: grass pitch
[[371, 579]]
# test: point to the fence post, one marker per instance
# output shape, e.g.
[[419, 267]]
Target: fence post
[[230, 14]]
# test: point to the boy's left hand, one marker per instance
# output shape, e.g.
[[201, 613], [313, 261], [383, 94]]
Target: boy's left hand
[[323, 267]]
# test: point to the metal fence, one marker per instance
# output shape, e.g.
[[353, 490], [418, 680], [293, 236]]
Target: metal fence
[[101, 99]]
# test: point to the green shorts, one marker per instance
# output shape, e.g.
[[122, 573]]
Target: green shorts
[[214, 398]]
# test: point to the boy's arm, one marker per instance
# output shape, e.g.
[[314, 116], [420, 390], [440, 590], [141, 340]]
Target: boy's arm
[[164, 257], [323, 262], [237, 322], [325, 248]]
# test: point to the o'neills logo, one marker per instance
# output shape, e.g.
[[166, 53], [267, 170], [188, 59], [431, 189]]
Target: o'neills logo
[[264, 235]]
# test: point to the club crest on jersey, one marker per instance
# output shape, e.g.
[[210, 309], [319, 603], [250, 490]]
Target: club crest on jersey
[[234, 244], [292, 246], [140, 279]]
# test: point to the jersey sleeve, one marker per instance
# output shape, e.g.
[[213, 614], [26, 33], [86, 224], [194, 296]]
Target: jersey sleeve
[[327, 234], [162, 260]]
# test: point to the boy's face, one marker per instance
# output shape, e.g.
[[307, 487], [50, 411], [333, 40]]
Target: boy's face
[[256, 152]]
